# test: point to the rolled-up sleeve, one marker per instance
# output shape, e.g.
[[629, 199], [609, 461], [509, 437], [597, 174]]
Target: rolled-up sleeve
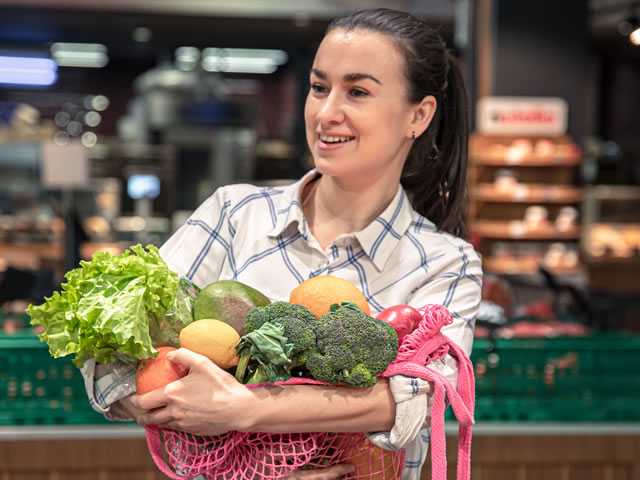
[[458, 287]]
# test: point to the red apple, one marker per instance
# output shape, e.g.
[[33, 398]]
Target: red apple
[[403, 318]]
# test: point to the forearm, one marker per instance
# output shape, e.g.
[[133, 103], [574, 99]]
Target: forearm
[[316, 408]]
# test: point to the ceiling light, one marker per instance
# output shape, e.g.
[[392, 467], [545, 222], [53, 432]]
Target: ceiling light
[[634, 36], [27, 71], [86, 55], [242, 60], [630, 26]]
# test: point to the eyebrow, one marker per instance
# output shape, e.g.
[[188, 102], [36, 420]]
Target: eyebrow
[[349, 77]]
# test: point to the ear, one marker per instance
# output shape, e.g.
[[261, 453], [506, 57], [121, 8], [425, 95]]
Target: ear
[[421, 116]]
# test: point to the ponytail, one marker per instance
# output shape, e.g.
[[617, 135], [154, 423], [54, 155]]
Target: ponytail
[[435, 173]]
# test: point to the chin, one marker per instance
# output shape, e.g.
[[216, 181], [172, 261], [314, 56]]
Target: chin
[[327, 168]]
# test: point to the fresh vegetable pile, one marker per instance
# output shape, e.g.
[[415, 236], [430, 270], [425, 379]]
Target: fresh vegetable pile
[[132, 307]]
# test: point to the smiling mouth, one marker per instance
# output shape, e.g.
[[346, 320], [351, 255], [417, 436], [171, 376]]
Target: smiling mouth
[[334, 139]]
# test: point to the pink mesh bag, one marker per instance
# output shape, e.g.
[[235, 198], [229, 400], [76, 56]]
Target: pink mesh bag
[[268, 456]]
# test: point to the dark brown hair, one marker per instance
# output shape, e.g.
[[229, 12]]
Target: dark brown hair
[[434, 174]]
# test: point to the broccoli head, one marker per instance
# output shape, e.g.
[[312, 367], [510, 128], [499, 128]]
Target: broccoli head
[[352, 348], [295, 323]]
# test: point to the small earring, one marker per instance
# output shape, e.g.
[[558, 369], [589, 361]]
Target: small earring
[[413, 135]]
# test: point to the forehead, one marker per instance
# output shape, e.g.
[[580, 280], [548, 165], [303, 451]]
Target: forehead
[[359, 50]]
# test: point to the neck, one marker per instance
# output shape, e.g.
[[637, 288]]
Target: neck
[[333, 206]]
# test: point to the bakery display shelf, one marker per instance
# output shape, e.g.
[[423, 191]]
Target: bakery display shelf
[[54, 251], [525, 266], [31, 254], [517, 229], [528, 161], [625, 262], [527, 193]]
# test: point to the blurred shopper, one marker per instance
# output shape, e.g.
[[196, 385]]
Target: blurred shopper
[[386, 122]]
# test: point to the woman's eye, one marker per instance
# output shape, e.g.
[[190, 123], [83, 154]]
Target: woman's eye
[[358, 92], [318, 88]]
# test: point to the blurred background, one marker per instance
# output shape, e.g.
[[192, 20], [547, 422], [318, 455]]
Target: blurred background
[[118, 118]]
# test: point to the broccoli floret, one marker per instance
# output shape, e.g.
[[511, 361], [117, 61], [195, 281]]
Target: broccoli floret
[[352, 348], [297, 324], [259, 315]]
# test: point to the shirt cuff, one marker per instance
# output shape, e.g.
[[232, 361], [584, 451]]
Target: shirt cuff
[[107, 384], [414, 399]]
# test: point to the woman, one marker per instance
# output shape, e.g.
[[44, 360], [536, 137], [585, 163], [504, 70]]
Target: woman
[[386, 123]]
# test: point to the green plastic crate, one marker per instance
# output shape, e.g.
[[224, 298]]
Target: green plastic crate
[[36, 389], [592, 379]]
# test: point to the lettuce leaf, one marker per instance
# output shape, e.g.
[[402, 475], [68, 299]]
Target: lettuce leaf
[[107, 306]]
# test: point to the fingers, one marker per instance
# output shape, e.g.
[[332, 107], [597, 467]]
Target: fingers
[[337, 471], [191, 360], [154, 399], [161, 416], [132, 411], [329, 473]]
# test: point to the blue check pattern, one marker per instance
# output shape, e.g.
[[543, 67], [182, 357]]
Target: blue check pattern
[[259, 236]]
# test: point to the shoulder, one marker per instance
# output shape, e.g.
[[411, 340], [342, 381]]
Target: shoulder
[[450, 248], [242, 198]]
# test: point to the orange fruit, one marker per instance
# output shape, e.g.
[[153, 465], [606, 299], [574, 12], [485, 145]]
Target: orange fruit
[[319, 293], [157, 372]]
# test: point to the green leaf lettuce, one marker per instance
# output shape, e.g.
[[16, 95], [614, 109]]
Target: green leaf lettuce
[[107, 307]]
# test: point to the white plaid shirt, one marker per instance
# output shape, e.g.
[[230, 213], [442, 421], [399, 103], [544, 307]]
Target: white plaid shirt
[[259, 236]]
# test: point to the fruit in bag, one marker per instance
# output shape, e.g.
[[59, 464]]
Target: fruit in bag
[[228, 301], [320, 292], [157, 372], [212, 338]]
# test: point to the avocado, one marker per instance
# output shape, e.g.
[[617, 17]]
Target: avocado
[[228, 301]]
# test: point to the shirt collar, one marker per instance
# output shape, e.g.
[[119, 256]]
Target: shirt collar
[[378, 239], [290, 207]]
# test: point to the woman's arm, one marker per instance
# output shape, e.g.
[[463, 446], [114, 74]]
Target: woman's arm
[[209, 401]]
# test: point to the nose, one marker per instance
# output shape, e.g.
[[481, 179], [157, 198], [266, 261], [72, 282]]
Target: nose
[[331, 109]]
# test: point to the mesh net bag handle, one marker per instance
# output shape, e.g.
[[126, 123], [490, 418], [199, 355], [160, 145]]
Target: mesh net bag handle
[[423, 345], [154, 442]]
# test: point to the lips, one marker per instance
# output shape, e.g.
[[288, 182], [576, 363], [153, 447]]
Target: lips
[[333, 142], [332, 139]]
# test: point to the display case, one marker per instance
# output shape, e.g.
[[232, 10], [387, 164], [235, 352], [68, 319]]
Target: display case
[[525, 203], [611, 237]]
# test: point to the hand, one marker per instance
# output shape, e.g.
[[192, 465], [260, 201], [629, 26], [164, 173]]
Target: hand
[[208, 401], [127, 406], [329, 473]]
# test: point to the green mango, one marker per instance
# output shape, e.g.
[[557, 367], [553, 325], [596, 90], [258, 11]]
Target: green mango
[[228, 301]]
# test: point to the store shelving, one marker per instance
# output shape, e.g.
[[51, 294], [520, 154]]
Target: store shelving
[[525, 202], [525, 266], [610, 237], [517, 229], [527, 193]]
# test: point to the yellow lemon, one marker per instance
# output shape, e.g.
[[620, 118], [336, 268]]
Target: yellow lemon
[[212, 338]]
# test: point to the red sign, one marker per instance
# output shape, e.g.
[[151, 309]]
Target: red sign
[[527, 116]]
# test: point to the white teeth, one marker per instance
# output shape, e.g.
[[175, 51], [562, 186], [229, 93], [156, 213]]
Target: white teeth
[[331, 139]]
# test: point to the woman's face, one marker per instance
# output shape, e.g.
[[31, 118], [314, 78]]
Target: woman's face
[[357, 114]]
